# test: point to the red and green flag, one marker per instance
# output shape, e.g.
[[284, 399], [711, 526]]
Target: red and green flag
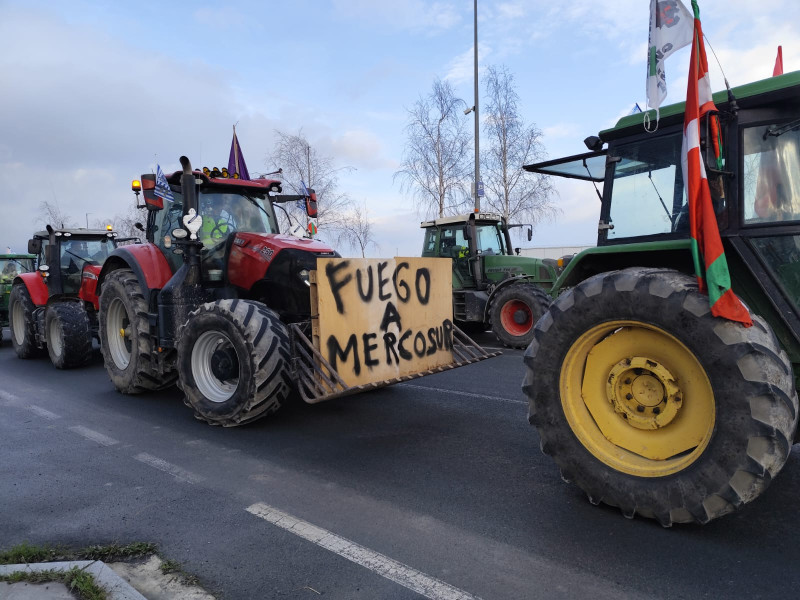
[[709, 257]]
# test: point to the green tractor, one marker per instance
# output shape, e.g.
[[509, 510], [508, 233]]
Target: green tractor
[[491, 285], [11, 265], [642, 397]]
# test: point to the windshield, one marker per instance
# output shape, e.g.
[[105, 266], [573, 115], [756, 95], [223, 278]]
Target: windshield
[[647, 195], [11, 267], [489, 239], [76, 252], [229, 212], [771, 175]]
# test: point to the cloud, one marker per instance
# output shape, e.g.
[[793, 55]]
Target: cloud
[[462, 68], [417, 16], [361, 149]]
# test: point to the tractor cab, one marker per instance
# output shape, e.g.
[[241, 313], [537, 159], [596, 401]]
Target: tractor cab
[[753, 169], [67, 256], [12, 265], [492, 284]]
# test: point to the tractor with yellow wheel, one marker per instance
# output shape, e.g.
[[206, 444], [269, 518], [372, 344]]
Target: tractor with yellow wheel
[[642, 397]]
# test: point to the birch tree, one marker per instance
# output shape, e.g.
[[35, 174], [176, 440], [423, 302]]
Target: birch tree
[[511, 143], [357, 230], [435, 168], [300, 161]]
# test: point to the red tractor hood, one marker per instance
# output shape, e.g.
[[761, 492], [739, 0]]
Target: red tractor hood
[[252, 254]]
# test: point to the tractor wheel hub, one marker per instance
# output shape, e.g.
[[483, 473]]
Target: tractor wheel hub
[[644, 393], [225, 364]]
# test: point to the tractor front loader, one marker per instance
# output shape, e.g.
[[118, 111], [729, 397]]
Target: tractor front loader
[[642, 397], [240, 316]]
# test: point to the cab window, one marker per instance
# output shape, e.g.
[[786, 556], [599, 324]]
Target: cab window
[[771, 182], [647, 195]]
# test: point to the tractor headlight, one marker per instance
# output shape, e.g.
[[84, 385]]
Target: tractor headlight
[[303, 275]]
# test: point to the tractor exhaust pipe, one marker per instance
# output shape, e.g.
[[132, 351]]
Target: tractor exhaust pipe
[[183, 292]]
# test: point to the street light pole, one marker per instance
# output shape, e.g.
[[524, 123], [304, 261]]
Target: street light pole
[[477, 120], [87, 220]]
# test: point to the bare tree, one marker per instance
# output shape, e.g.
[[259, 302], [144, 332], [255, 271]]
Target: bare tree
[[357, 230], [300, 161], [511, 143], [435, 166], [50, 213], [124, 223]]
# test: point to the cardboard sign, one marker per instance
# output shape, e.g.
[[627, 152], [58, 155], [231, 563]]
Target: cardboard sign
[[384, 318]]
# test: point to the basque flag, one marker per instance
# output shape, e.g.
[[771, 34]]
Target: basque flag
[[709, 257]]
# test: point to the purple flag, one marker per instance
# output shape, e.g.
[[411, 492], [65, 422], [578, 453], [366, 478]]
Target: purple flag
[[236, 160]]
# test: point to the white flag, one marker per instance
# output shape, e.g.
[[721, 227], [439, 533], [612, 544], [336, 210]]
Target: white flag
[[671, 28], [162, 186]]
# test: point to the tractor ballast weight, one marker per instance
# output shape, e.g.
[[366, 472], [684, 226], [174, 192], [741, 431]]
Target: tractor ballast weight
[[642, 397], [223, 304]]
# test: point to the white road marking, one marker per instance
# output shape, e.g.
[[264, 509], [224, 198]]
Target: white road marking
[[94, 436], [38, 410], [430, 587], [460, 393], [162, 465]]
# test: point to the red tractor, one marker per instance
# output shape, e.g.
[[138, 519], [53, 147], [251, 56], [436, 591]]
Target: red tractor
[[207, 301], [55, 307]]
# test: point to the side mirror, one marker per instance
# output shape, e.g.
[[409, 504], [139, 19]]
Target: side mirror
[[311, 204], [34, 246], [530, 233], [467, 232], [138, 226]]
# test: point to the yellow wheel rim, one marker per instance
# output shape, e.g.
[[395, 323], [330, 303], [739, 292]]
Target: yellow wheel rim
[[637, 398]]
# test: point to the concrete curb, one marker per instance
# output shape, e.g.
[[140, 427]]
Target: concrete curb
[[116, 586]]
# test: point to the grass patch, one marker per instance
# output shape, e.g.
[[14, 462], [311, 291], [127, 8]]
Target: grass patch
[[27, 553], [79, 582], [114, 552]]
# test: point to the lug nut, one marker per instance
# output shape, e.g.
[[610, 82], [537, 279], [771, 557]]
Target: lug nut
[[628, 381], [640, 408], [656, 411], [629, 396]]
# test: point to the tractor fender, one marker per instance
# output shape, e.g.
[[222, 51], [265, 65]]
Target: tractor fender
[[89, 291], [145, 260], [37, 288], [501, 285], [673, 254]]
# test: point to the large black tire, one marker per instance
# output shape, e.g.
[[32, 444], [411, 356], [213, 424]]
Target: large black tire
[[233, 360], [125, 340], [22, 323], [69, 335], [649, 403], [515, 310]]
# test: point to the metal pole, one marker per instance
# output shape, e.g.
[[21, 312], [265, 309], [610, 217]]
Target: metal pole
[[477, 119], [87, 220]]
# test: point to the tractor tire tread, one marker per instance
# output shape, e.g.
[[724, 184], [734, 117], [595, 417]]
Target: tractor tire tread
[[28, 348], [76, 334], [146, 377], [752, 436]]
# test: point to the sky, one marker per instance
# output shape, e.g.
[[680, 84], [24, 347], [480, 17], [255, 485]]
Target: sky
[[94, 94]]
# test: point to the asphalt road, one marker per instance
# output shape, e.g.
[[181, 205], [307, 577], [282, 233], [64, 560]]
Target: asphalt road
[[436, 486]]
